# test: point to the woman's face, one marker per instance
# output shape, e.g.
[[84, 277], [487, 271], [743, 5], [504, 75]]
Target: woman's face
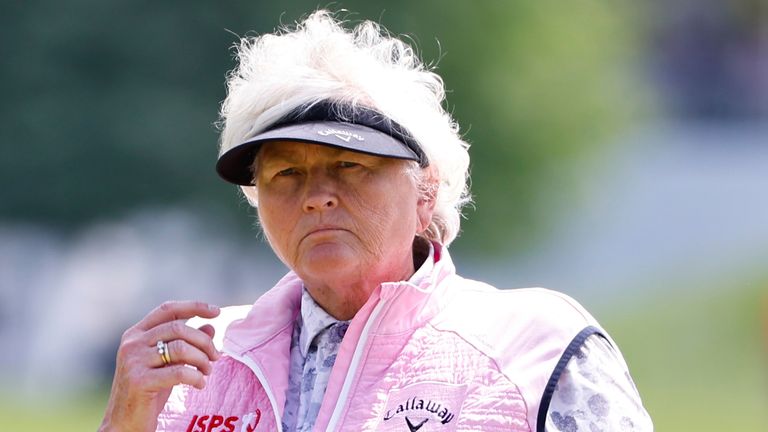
[[338, 217]]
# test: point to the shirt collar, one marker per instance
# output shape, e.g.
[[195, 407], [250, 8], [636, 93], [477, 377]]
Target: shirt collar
[[314, 319]]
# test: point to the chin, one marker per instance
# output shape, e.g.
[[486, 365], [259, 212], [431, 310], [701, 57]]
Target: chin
[[328, 259]]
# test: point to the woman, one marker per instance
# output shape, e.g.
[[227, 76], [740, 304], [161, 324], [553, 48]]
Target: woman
[[339, 139]]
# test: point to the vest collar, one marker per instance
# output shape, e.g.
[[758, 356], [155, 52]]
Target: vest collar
[[406, 304]]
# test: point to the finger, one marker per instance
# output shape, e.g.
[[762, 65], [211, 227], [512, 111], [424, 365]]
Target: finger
[[182, 353], [167, 377], [177, 310], [178, 330], [207, 329]]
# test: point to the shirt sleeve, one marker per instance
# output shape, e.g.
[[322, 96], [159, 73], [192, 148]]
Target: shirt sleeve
[[596, 393]]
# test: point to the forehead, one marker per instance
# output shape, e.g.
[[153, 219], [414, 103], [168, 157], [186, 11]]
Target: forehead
[[285, 149], [295, 151]]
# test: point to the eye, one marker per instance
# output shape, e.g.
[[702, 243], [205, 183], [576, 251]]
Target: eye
[[286, 172], [348, 164]]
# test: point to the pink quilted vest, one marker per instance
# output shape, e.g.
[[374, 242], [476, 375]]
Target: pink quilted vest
[[451, 354]]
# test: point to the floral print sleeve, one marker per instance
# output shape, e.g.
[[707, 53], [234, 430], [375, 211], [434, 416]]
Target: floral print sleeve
[[595, 393]]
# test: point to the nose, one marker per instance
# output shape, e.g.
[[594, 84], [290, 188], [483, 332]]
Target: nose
[[320, 195]]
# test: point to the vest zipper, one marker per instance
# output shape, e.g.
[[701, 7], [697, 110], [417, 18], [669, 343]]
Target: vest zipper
[[263, 379], [345, 389]]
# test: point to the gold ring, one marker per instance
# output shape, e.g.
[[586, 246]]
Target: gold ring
[[165, 354]]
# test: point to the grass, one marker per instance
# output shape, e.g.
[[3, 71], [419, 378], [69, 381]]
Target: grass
[[699, 357], [67, 414]]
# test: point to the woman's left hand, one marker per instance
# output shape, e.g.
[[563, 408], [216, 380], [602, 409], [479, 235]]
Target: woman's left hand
[[144, 376]]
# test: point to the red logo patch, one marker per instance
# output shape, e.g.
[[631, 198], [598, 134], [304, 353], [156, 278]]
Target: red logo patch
[[219, 423]]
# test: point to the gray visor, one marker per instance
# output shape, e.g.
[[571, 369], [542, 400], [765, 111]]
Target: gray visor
[[235, 165], [351, 127]]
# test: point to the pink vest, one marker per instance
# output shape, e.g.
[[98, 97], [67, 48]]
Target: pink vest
[[450, 354]]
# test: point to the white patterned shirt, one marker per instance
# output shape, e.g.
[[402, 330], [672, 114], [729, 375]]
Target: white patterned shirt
[[596, 393], [314, 345]]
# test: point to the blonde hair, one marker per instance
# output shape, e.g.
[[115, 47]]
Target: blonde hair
[[321, 60]]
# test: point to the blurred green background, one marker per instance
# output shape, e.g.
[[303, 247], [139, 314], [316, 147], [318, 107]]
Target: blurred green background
[[619, 154]]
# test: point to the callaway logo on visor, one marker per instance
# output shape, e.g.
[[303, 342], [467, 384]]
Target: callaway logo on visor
[[341, 134]]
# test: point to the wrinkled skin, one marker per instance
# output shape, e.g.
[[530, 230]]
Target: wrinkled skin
[[343, 221]]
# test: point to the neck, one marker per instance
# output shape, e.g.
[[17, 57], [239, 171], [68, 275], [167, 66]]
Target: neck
[[343, 299], [342, 307], [343, 294]]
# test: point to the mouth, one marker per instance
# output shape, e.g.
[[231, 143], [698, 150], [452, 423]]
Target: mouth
[[324, 229]]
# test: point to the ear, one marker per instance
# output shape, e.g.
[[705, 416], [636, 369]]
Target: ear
[[424, 211], [425, 206]]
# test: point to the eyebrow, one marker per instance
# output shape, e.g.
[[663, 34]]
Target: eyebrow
[[279, 155], [285, 155], [276, 155]]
